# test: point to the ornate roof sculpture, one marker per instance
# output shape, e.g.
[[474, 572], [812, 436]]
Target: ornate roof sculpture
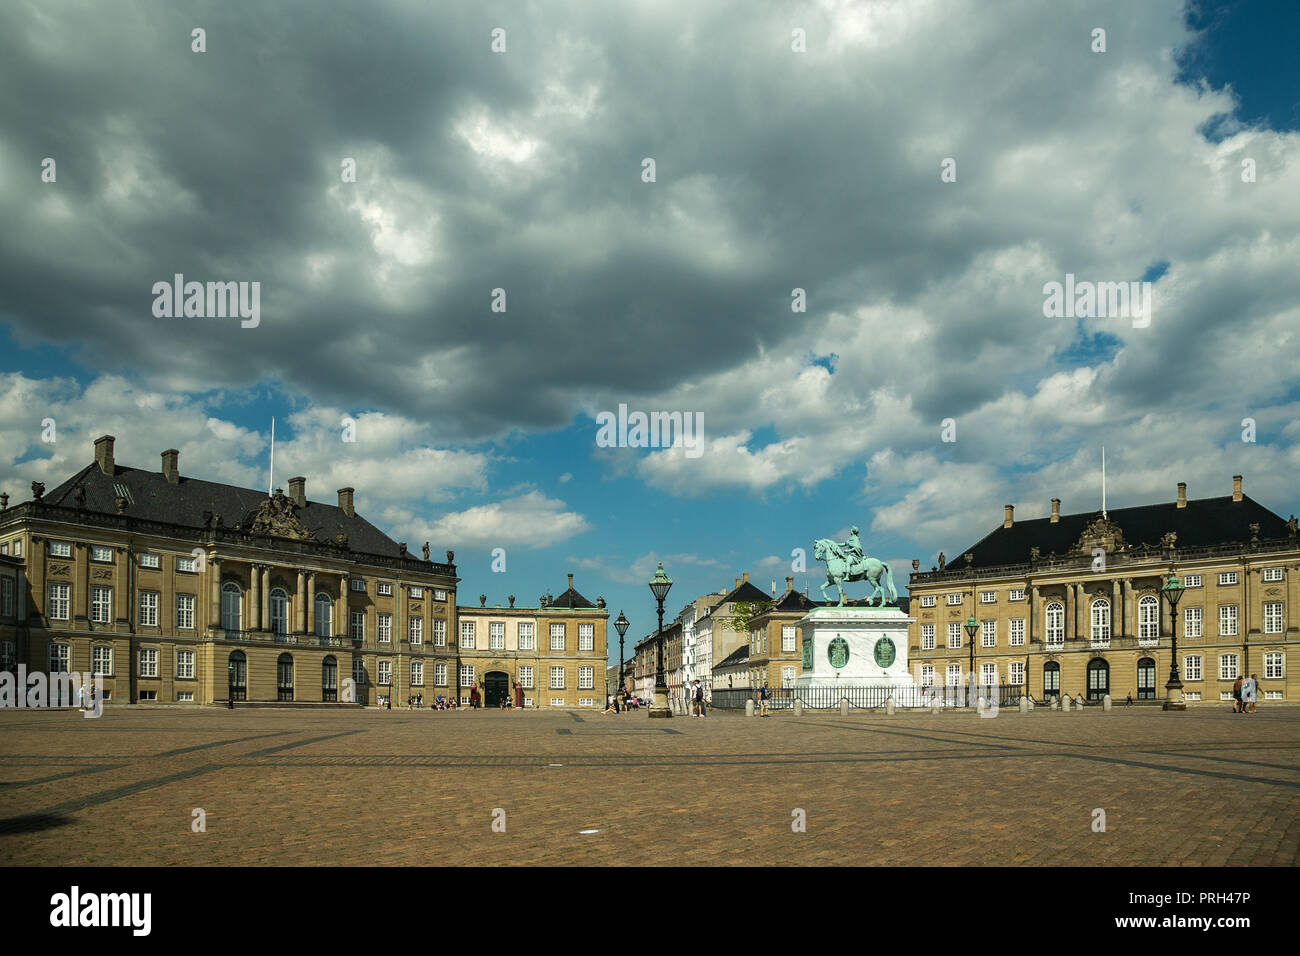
[[1101, 533], [277, 517]]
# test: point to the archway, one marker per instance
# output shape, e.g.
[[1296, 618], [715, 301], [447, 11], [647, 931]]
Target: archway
[[237, 671], [496, 688], [1098, 679], [1051, 680], [1146, 679]]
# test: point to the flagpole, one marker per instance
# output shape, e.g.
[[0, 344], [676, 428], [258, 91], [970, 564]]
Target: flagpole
[[1103, 481], [270, 488]]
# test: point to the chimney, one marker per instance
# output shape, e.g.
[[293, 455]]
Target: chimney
[[171, 466], [737, 582], [1182, 494], [1056, 510], [774, 587], [104, 454], [570, 580], [345, 502], [746, 576], [1007, 520], [298, 491], [1236, 483], [789, 583]]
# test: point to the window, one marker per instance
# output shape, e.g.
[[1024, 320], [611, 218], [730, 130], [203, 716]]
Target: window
[[1148, 620], [1055, 624], [988, 674], [988, 597], [440, 674], [185, 612], [417, 591], [497, 636], [101, 605], [954, 634], [359, 671], [1273, 617], [1227, 577], [525, 635], [148, 662], [788, 637], [1273, 665], [60, 549], [384, 628], [323, 618], [7, 597], [1191, 580], [237, 676], [185, 696], [1018, 632], [1051, 679], [187, 563], [526, 676], [927, 637], [57, 605], [557, 637], [185, 665], [1146, 679], [1100, 623], [384, 589], [557, 678], [357, 584], [148, 695], [954, 599], [100, 553], [18, 553], [586, 637], [417, 673], [954, 675], [988, 633], [787, 676], [1192, 621], [1192, 695], [279, 608], [586, 678], [101, 660], [60, 658], [231, 606], [439, 594], [1016, 594], [927, 675], [1227, 667], [357, 625], [1227, 620], [467, 634], [149, 561], [1016, 674], [1272, 574], [466, 675], [284, 677], [148, 609], [385, 672], [927, 600], [415, 630], [1192, 667], [439, 632], [557, 701]]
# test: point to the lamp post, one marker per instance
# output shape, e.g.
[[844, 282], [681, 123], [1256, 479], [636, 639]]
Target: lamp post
[[972, 626], [659, 585], [230, 685], [621, 625], [1173, 590]]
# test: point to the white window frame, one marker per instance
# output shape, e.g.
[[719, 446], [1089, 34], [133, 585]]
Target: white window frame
[[496, 635], [357, 585], [439, 594], [278, 599], [97, 653], [955, 600], [357, 625], [988, 597], [185, 604], [384, 589], [954, 635], [1192, 581], [1193, 622], [101, 604], [927, 600], [1192, 667], [927, 637], [989, 633], [953, 675], [586, 678], [415, 630], [557, 632], [1228, 620], [417, 673], [1227, 578], [1274, 665], [101, 554], [1099, 622], [1148, 609], [385, 672], [1054, 624], [1228, 666], [149, 561], [59, 549], [1274, 617], [1016, 673], [322, 618], [417, 591], [927, 675], [60, 658], [147, 606], [1016, 632], [148, 662], [187, 564], [526, 636], [788, 635], [468, 639], [232, 606], [1272, 574], [439, 673], [586, 637], [526, 676], [184, 664], [467, 675], [557, 674], [1016, 594], [988, 673], [384, 627], [58, 603]]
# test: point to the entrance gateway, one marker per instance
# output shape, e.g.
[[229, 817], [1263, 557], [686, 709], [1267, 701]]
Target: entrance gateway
[[496, 688]]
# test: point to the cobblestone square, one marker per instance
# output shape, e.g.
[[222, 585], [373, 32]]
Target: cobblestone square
[[315, 787]]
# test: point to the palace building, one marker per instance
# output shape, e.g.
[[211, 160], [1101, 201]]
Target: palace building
[[1072, 603], [180, 590]]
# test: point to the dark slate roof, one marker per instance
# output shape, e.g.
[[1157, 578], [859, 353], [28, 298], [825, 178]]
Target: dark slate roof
[[570, 599], [1203, 523], [795, 601], [738, 656], [154, 498], [746, 592]]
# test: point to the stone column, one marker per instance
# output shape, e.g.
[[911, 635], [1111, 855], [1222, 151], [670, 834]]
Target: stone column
[[256, 597], [302, 603], [1029, 625], [341, 608], [266, 596], [1069, 612], [1081, 612], [1130, 609], [311, 602], [1116, 610], [214, 575], [81, 587]]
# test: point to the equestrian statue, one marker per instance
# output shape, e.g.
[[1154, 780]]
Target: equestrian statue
[[847, 562]]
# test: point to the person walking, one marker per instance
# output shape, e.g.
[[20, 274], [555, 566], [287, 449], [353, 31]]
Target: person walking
[[1249, 690], [763, 695], [1236, 697], [699, 699]]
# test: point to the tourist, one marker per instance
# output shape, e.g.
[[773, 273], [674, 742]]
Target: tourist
[[699, 699], [1249, 688], [1236, 697], [763, 695], [419, 700], [609, 704], [1129, 703]]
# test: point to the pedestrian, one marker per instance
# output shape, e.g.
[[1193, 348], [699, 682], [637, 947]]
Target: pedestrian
[[1236, 697], [419, 700], [1249, 690], [1129, 703], [763, 695], [699, 699], [609, 705]]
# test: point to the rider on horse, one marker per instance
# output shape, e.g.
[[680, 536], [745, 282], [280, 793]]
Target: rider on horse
[[853, 549]]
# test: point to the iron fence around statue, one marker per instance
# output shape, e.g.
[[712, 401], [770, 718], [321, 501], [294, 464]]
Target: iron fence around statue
[[871, 697]]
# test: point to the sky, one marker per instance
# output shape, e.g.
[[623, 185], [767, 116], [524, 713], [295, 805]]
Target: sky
[[920, 170]]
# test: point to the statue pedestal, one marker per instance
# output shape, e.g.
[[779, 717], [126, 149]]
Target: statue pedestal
[[858, 646]]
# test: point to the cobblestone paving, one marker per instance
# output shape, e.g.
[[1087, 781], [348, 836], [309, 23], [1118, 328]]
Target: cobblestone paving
[[309, 787]]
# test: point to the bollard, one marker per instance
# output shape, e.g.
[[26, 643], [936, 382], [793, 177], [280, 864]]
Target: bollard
[[1029, 701], [889, 706], [979, 705], [749, 707], [1105, 702], [934, 705], [798, 708], [1024, 705], [1059, 704], [844, 706]]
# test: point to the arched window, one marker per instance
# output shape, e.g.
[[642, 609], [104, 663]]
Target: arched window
[[1098, 679], [1100, 623], [1148, 618], [1147, 679], [232, 602], [237, 676], [329, 678], [1055, 623], [279, 606], [1051, 680], [284, 677], [323, 615]]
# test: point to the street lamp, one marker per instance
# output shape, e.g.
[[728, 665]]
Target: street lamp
[[972, 627], [1173, 590], [230, 685], [659, 585], [621, 625]]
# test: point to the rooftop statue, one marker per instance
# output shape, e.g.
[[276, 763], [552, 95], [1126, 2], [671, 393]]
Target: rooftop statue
[[848, 562]]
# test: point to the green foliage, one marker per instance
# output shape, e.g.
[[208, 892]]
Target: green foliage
[[742, 615]]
